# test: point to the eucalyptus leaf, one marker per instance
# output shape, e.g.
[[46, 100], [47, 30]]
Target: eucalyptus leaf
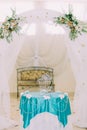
[[10, 25]]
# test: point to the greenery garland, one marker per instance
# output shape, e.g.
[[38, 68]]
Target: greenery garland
[[10, 25], [74, 25]]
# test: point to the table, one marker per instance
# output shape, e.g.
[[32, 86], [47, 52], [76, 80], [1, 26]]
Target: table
[[34, 103]]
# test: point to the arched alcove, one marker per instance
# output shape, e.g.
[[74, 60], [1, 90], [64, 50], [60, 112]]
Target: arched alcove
[[46, 42]]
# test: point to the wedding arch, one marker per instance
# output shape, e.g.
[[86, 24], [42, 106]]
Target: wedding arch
[[76, 51]]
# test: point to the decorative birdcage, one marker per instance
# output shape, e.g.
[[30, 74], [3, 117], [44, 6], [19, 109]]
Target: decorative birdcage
[[45, 83]]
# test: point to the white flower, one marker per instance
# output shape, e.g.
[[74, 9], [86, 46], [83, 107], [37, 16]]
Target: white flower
[[46, 97], [28, 95], [61, 96]]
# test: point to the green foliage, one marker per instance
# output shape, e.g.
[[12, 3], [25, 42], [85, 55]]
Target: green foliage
[[75, 26], [9, 26]]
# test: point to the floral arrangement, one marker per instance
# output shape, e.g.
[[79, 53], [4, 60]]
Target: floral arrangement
[[10, 25], [75, 26]]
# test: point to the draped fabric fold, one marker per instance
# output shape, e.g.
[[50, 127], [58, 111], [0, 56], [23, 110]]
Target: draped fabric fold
[[7, 63], [77, 55]]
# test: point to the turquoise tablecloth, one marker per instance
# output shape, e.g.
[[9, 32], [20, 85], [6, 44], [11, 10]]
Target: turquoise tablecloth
[[33, 103]]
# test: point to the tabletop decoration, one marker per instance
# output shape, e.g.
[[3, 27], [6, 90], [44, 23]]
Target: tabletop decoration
[[61, 96], [75, 26], [28, 96], [44, 82], [10, 25], [46, 97]]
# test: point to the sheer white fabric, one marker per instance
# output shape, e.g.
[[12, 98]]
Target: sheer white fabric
[[47, 121], [12, 53], [7, 62], [78, 56], [4, 87], [6, 122], [4, 92]]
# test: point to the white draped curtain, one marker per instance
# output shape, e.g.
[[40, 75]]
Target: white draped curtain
[[77, 52], [8, 55]]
